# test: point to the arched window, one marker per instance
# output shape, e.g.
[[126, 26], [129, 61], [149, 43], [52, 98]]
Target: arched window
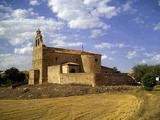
[[56, 58], [76, 60], [72, 71], [96, 60]]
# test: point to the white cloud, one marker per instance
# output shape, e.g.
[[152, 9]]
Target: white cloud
[[157, 27], [159, 2], [149, 54], [127, 5], [25, 49], [83, 14], [105, 57], [110, 45], [20, 26], [96, 33], [132, 54], [22, 62], [104, 45], [34, 2], [138, 20], [4, 12], [102, 9], [152, 58], [60, 42], [156, 58], [143, 61]]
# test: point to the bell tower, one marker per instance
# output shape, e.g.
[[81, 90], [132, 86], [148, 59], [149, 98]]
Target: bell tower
[[38, 38]]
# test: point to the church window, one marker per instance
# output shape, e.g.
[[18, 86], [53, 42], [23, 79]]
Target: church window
[[76, 60], [56, 58], [96, 60], [72, 71]]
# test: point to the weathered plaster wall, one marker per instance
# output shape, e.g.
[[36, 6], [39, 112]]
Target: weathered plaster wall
[[31, 77], [54, 74], [91, 63], [78, 78]]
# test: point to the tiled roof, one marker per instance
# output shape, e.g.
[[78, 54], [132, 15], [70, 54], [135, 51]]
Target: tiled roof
[[69, 51]]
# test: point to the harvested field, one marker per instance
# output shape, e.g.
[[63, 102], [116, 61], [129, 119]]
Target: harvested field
[[134, 104], [97, 107]]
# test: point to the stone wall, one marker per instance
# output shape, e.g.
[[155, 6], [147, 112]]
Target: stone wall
[[106, 69], [113, 79], [77, 78]]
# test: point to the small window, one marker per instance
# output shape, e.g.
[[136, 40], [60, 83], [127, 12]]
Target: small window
[[72, 71], [96, 60], [76, 60], [56, 58]]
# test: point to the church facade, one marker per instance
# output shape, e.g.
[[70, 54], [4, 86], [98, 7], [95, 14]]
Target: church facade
[[65, 66]]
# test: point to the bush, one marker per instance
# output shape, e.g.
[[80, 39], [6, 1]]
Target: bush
[[140, 71], [12, 76], [148, 81], [0, 79], [115, 70]]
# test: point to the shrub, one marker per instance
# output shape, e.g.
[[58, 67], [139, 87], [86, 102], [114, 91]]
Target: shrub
[[140, 71], [148, 81], [12, 76], [0, 79], [115, 70]]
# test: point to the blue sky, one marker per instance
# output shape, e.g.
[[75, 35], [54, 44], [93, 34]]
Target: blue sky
[[125, 32]]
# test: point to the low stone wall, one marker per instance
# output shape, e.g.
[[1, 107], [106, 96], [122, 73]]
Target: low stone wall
[[78, 78], [113, 79]]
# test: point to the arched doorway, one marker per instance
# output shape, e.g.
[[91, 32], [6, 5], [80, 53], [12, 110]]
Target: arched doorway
[[36, 76], [72, 70]]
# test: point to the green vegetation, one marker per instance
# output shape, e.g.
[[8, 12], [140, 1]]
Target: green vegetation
[[148, 81], [132, 105], [146, 74], [115, 70], [12, 76]]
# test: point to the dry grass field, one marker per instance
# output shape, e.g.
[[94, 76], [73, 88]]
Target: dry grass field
[[131, 105]]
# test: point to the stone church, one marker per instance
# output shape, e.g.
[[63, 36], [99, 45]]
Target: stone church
[[65, 66]]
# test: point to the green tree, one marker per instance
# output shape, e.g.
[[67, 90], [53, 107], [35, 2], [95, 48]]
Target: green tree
[[115, 70], [148, 81], [156, 70], [13, 76], [0, 80], [140, 71]]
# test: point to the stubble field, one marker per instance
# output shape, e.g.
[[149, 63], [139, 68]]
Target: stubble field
[[131, 105]]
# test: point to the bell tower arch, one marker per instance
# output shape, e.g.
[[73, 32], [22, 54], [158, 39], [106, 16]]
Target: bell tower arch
[[38, 38]]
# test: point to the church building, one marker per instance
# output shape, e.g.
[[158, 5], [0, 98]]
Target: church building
[[65, 66]]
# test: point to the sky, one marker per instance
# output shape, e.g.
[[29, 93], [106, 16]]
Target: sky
[[125, 32]]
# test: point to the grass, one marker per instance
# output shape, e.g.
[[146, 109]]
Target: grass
[[132, 105]]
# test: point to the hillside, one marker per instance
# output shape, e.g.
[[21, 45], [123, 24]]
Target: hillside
[[57, 90]]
